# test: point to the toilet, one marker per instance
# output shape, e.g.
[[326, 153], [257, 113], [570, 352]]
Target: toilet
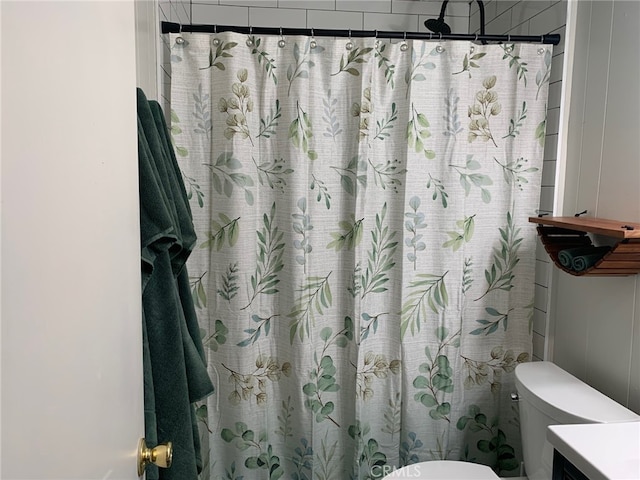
[[547, 396]]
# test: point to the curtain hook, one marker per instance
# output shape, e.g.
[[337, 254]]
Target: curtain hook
[[250, 39], [216, 41], [476, 39], [179, 39], [281, 42], [313, 43], [404, 47], [349, 44]]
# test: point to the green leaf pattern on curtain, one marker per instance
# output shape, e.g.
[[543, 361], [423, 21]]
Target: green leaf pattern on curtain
[[365, 266]]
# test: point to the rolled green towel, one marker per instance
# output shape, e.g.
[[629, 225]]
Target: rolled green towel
[[585, 256], [583, 262]]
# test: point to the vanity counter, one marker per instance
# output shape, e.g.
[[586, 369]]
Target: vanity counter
[[601, 451]]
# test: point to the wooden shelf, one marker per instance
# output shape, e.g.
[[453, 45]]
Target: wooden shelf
[[560, 233]]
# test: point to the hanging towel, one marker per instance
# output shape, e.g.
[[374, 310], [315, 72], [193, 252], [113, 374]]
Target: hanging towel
[[174, 362], [581, 258]]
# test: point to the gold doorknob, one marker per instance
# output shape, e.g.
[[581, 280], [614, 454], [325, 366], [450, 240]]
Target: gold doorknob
[[160, 455]]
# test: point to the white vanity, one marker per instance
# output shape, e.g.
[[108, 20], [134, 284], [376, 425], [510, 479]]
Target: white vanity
[[598, 451]]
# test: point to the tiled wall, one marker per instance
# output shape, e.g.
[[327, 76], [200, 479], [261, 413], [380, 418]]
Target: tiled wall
[[524, 17], [535, 17], [396, 15]]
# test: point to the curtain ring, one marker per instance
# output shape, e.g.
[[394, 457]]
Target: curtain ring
[[179, 39], [476, 39], [216, 41], [249, 41], [439, 35], [404, 47], [509, 38], [281, 42], [349, 44], [312, 42]]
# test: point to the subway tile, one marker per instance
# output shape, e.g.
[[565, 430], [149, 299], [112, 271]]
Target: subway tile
[[459, 24], [562, 31], [542, 273], [504, 5], [556, 68], [527, 9], [540, 298], [549, 173], [538, 346], [250, 3], [546, 199], [455, 8], [555, 94], [220, 14], [383, 6], [338, 20], [390, 21], [539, 321], [308, 4], [553, 120], [490, 9], [474, 23], [540, 251], [551, 147], [500, 25], [277, 17], [521, 29], [413, 7], [164, 10], [549, 19], [184, 12], [458, 8]]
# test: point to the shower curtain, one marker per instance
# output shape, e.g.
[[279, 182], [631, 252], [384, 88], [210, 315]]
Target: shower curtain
[[364, 272]]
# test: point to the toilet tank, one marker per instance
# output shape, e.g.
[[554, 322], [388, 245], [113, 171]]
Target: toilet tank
[[550, 396]]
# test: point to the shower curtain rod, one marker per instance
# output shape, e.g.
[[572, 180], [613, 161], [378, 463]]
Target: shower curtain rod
[[171, 27]]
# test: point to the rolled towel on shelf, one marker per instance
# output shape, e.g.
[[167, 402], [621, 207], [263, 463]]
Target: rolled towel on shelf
[[581, 258]]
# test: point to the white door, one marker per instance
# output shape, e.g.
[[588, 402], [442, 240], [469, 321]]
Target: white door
[[72, 400]]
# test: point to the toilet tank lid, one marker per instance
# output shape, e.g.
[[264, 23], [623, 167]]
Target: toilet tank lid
[[559, 394]]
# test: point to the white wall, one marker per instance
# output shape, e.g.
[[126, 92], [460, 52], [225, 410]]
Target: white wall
[[596, 321], [71, 381], [536, 17]]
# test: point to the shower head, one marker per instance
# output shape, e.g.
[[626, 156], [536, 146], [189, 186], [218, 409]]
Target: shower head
[[437, 25]]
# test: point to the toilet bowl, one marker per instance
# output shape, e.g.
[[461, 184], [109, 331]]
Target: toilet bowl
[[547, 396], [444, 470]]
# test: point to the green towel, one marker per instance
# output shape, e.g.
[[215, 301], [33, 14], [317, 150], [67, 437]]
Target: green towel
[[174, 366], [581, 258], [584, 262]]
